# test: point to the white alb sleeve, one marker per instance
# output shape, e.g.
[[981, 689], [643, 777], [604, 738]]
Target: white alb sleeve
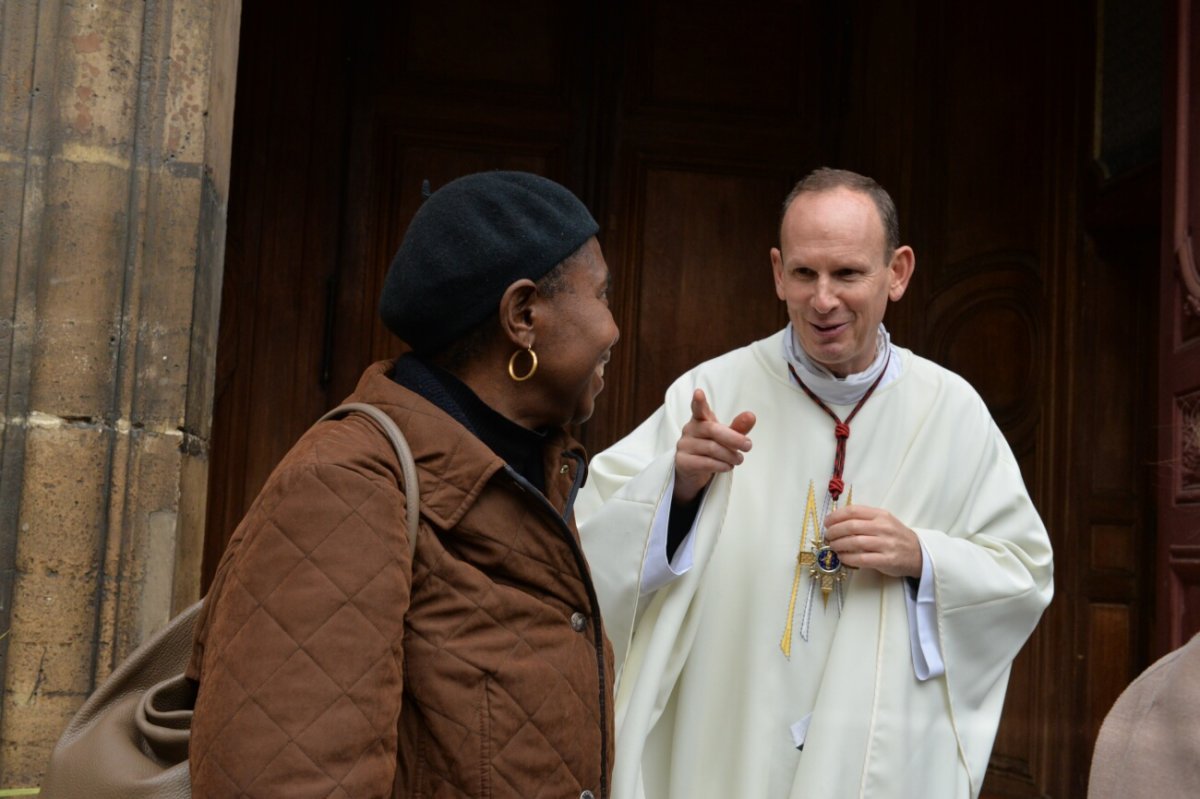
[[657, 571], [922, 623]]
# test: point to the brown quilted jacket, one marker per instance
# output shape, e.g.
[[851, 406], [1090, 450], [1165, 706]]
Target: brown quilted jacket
[[331, 665]]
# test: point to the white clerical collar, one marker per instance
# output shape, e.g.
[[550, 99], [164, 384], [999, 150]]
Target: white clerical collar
[[846, 390]]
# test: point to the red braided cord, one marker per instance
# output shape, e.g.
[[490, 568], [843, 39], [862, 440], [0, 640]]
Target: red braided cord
[[841, 429]]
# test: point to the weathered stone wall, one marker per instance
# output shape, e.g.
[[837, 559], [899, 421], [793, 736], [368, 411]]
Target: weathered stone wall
[[115, 132]]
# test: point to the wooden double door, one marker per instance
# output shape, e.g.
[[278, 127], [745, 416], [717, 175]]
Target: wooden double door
[[682, 124]]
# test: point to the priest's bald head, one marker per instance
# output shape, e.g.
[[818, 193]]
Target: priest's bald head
[[838, 263]]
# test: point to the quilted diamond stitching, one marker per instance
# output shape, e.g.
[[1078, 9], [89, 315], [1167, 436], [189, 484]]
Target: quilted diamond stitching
[[361, 592], [305, 576]]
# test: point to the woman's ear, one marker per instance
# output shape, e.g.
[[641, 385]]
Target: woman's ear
[[517, 309]]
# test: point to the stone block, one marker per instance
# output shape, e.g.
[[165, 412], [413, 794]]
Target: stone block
[[65, 498], [186, 100], [166, 281], [80, 288], [189, 542], [16, 73], [100, 66], [29, 735], [151, 510], [46, 658]]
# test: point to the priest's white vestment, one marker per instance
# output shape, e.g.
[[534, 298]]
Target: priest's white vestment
[[707, 699]]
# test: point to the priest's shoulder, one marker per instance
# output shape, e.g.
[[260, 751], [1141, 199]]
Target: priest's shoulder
[[933, 379], [733, 363]]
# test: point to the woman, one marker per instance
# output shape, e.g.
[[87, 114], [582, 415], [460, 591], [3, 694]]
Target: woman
[[330, 663]]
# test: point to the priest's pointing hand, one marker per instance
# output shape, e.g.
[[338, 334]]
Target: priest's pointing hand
[[872, 538], [707, 446]]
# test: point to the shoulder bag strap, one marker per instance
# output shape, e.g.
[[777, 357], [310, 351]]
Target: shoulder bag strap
[[407, 466]]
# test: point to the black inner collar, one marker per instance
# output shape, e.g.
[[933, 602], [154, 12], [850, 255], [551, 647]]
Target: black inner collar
[[520, 447]]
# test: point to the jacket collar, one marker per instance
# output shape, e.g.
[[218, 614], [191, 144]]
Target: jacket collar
[[453, 466]]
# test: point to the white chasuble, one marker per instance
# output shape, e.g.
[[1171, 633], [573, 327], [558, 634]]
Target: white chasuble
[[707, 701]]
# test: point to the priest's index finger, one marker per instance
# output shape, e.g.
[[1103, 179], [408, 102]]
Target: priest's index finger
[[700, 410]]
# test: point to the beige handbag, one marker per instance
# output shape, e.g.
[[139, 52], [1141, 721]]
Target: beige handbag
[[130, 738]]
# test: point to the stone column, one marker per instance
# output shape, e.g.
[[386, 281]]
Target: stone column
[[115, 133]]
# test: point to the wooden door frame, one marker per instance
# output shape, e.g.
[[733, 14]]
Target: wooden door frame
[[1178, 556]]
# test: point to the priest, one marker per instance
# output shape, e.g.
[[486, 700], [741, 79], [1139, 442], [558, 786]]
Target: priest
[[817, 560]]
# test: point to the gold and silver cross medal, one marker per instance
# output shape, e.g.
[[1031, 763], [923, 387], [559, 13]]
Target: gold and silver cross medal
[[824, 566]]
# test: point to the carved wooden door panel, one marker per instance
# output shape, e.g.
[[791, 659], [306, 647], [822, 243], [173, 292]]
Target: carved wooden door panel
[[682, 123], [273, 350], [1179, 364]]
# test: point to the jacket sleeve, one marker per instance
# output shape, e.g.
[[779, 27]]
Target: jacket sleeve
[[301, 675]]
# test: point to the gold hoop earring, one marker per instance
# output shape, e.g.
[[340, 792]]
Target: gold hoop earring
[[512, 372]]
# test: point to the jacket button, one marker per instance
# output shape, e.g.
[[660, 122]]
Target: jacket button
[[578, 622], [587, 795]]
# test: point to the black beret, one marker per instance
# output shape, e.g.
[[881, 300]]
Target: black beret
[[467, 243]]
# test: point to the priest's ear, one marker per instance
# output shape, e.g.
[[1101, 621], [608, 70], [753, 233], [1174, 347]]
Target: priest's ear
[[900, 271]]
